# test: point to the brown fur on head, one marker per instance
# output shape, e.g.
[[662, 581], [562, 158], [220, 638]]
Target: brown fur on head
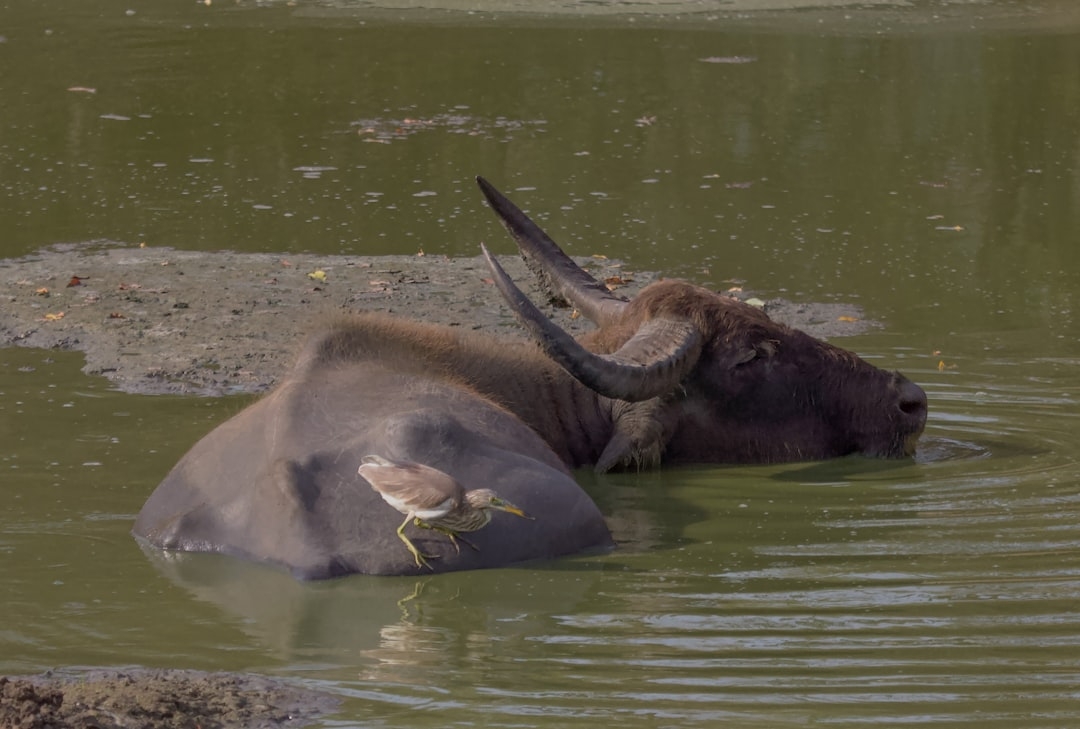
[[725, 323], [760, 391]]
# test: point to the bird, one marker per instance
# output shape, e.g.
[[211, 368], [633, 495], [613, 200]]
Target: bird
[[432, 499]]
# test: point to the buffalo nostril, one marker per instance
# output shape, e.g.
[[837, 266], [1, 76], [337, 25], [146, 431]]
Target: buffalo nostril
[[912, 398]]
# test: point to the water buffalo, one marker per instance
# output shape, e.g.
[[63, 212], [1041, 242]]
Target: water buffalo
[[679, 374]]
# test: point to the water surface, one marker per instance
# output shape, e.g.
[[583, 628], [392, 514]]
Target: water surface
[[925, 172]]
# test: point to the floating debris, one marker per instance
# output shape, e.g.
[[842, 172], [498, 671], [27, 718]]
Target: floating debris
[[734, 60], [386, 130]]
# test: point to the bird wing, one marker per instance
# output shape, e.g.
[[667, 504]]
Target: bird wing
[[409, 487]]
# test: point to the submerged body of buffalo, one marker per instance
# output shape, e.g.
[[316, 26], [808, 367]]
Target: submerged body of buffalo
[[679, 374]]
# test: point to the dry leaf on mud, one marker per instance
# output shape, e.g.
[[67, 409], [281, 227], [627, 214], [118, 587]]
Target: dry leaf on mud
[[76, 281], [54, 317], [318, 275], [42, 291]]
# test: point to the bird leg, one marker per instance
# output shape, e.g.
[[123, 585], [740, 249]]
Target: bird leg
[[455, 537], [420, 557]]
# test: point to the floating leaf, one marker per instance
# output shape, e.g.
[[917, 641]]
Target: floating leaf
[[847, 318], [318, 275]]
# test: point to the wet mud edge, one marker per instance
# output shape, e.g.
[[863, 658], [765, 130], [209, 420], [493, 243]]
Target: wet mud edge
[[156, 699], [161, 320]]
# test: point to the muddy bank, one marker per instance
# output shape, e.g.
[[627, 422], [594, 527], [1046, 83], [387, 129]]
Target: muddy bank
[[156, 699], [159, 320]]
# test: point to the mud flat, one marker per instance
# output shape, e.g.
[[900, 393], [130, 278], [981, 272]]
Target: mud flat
[[160, 320]]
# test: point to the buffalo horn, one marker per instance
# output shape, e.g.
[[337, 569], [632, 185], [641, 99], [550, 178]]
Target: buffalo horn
[[650, 364], [559, 272]]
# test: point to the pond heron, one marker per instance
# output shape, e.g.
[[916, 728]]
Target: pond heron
[[432, 499]]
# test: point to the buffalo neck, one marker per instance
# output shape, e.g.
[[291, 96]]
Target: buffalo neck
[[575, 421]]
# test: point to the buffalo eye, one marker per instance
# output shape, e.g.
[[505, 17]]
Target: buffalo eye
[[744, 358]]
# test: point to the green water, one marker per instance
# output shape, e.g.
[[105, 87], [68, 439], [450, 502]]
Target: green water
[[925, 171]]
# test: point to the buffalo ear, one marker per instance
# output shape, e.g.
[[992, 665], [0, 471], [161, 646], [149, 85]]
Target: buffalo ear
[[642, 430], [764, 349]]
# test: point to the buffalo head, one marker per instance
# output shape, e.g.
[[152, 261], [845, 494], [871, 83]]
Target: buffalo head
[[693, 376]]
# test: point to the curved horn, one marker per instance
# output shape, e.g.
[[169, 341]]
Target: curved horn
[[555, 268], [651, 363]]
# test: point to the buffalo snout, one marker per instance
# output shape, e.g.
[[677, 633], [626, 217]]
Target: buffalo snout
[[911, 404]]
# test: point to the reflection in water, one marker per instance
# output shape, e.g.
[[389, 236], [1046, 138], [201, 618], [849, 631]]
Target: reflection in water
[[934, 449], [940, 590], [853, 590]]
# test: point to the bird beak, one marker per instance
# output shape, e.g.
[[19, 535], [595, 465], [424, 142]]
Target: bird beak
[[507, 506]]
